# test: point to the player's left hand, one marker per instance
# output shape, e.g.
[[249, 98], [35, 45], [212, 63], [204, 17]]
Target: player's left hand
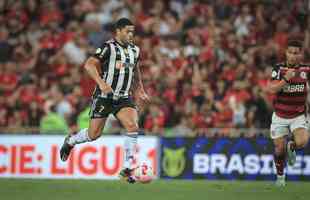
[[142, 96]]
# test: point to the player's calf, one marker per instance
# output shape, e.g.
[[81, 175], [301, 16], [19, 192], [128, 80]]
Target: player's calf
[[279, 161], [301, 138], [291, 153]]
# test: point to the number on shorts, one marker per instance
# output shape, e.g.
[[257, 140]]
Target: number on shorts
[[101, 108]]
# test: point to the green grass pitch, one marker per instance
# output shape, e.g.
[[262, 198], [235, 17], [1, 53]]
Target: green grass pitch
[[29, 189]]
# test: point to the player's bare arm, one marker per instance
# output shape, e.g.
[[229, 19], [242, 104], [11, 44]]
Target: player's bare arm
[[138, 85], [91, 66], [276, 85]]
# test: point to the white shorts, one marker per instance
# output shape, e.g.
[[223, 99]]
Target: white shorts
[[281, 126]]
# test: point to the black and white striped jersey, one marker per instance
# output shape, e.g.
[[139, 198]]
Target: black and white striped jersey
[[118, 63]]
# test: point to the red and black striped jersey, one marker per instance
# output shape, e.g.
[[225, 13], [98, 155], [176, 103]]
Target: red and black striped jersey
[[290, 101]]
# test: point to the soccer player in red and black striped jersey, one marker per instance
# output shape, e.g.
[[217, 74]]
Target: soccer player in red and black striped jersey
[[289, 84]]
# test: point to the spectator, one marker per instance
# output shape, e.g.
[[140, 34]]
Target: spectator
[[52, 123]]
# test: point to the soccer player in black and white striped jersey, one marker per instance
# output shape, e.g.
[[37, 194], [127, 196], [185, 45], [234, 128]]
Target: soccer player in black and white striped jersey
[[114, 67]]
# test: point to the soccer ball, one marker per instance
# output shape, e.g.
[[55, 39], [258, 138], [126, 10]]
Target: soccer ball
[[143, 173]]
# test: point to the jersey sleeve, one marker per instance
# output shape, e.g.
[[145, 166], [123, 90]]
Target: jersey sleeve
[[137, 56], [102, 53], [275, 73]]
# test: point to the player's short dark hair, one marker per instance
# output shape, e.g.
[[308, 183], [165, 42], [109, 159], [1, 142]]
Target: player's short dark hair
[[294, 43], [122, 22]]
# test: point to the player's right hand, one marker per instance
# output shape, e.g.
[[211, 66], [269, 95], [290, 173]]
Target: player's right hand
[[105, 88], [289, 74]]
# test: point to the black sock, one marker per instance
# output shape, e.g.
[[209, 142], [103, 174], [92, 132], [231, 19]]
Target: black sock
[[280, 164]]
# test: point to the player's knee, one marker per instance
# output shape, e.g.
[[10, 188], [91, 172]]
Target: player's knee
[[301, 141], [131, 127], [279, 149], [94, 134]]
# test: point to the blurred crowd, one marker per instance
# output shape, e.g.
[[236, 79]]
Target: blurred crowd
[[205, 63]]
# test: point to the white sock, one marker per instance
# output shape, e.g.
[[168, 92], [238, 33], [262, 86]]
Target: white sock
[[129, 148], [80, 137]]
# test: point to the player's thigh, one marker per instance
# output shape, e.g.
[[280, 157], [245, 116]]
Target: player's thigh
[[299, 128], [99, 111], [95, 128], [279, 127], [301, 137], [128, 116], [100, 108]]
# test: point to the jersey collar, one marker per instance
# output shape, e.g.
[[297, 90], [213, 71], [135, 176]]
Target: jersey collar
[[120, 44]]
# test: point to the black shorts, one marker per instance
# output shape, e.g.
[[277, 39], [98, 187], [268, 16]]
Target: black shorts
[[102, 107]]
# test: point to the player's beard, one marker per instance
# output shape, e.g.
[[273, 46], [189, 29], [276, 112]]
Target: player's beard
[[293, 63], [130, 40], [126, 41]]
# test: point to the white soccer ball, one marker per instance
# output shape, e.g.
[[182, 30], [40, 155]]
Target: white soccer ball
[[144, 173]]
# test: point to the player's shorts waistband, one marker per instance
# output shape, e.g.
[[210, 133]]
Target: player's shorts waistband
[[115, 100], [113, 96]]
